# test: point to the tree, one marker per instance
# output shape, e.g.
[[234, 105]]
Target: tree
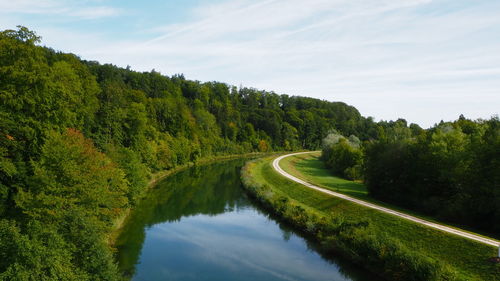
[[38, 253], [22, 34], [72, 174], [263, 146], [343, 157]]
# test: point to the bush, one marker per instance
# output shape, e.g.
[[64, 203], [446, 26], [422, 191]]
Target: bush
[[343, 158]]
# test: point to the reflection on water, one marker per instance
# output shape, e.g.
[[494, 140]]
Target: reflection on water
[[199, 225]]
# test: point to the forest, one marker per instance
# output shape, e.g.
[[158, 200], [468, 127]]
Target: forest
[[79, 142], [450, 171]]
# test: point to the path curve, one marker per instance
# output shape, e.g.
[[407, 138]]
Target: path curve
[[380, 208]]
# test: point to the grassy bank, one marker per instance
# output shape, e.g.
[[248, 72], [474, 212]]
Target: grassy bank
[[310, 168], [394, 248]]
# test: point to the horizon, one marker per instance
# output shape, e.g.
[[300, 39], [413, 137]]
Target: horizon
[[423, 61]]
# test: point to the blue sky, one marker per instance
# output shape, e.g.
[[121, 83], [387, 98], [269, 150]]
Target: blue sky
[[422, 60]]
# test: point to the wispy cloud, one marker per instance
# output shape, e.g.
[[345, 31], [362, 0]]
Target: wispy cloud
[[63, 8], [390, 59]]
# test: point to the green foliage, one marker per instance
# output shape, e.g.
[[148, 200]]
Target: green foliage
[[90, 252], [343, 156], [72, 174], [75, 193], [37, 253], [7, 171], [22, 34], [136, 172], [450, 171], [263, 146]]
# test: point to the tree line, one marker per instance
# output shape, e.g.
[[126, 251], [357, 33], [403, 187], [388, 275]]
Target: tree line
[[79, 141], [450, 171]]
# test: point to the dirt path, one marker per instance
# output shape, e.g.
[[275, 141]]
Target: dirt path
[[382, 209]]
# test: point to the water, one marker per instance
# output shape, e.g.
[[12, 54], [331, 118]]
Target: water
[[200, 225]]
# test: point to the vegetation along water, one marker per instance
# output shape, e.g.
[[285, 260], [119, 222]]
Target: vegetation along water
[[199, 225], [387, 245]]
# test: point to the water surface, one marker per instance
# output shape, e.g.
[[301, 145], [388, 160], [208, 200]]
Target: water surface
[[199, 225]]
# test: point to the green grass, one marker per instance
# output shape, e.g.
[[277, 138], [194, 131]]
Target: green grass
[[467, 257], [311, 169]]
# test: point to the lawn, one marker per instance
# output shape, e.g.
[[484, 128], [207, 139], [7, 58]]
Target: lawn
[[309, 168]]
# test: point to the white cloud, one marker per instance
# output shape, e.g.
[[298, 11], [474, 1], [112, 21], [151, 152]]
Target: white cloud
[[27, 6], [417, 59], [72, 9]]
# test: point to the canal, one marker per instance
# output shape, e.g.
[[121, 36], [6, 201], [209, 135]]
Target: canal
[[199, 224]]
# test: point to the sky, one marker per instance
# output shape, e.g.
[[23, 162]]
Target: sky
[[422, 60]]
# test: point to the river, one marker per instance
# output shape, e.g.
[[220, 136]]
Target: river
[[199, 224]]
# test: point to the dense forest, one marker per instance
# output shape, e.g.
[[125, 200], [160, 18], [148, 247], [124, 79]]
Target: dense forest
[[80, 140], [450, 171]]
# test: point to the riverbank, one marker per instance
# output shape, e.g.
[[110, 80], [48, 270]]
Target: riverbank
[[204, 212], [388, 246]]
